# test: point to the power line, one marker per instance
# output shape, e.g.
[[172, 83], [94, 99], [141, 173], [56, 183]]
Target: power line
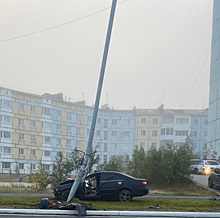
[[195, 80], [185, 78], [58, 26]]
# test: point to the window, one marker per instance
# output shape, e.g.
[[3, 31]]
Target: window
[[114, 122], [33, 109], [69, 116], [21, 166], [21, 151], [105, 123], [143, 120], [46, 111], [98, 120], [126, 133], [6, 150], [6, 119], [68, 141], [6, 103], [205, 133], [6, 134], [68, 128], [98, 145], [6, 165], [46, 167], [167, 120], [47, 139], [46, 153], [59, 114], [206, 121], [21, 136], [142, 144], [77, 143], [21, 107], [114, 133], [105, 135], [163, 131], [78, 130], [105, 159], [193, 133], [98, 133], [195, 121], [33, 152], [182, 120], [143, 132], [47, 125], [33, 123], [58, 127], [181, 133], [33, 166], [21, 122], [154, 132], [33, 138], [155, 121], [105, 147], [58, 141]]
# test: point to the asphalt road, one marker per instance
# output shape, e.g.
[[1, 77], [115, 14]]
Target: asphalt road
[[202, 180]]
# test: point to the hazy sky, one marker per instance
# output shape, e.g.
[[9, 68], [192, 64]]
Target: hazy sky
[[159, 50]]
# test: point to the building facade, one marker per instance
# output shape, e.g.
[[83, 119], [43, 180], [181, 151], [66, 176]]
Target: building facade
[[35, 128], [214, 92]]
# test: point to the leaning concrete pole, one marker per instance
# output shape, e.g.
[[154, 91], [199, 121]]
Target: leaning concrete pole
[[96, 107]]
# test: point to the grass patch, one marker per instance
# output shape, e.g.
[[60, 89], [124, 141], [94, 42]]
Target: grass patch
[[163, 204], [190, 189], [136, 204]]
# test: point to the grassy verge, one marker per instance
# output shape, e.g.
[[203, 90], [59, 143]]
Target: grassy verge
[[136, 204], [181, 190]]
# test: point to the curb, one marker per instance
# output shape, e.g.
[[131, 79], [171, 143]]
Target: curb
[[110, 213]]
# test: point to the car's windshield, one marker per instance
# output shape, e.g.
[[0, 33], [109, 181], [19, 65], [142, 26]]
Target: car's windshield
[[210, 162]]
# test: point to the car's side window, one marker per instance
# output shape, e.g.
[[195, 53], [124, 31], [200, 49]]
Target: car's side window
[[217, 170], [110, 177]]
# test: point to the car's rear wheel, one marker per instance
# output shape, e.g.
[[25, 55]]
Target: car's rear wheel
[[65, 195], [125, 195], [210, 184]]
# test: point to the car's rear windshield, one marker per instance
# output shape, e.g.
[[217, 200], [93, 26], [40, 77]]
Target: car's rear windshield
[[211, 162]]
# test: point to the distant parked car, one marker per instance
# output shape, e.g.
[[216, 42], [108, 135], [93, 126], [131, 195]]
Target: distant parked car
[[207, 166], [194, 165], [104, 185], [214, 178]]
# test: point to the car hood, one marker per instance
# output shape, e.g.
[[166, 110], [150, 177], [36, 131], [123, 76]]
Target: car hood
[[67, 181]]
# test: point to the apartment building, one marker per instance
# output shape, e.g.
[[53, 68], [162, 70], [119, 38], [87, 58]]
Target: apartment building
[[36, 127], [214, 93]]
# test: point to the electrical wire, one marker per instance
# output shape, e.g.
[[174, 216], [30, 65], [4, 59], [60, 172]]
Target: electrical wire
[[59, 25], [185, 78], [195, 80]]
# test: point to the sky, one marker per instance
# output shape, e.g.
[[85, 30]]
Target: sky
[[159, 51]]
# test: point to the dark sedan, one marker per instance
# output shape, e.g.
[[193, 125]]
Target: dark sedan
[[214, 178], [105, 186]]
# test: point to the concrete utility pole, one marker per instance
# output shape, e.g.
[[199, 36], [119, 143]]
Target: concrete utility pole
[[96, 108]]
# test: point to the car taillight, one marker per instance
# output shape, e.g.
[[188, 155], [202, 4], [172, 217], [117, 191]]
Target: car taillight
[[144, 183]]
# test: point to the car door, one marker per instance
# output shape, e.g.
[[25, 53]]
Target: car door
[[110, 183], [200, 167], [216, 177]]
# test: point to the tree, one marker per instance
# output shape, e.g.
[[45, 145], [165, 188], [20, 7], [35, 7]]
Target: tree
[[40, 178], [137, 165], [93, 160], [61, 169], [118, 164]]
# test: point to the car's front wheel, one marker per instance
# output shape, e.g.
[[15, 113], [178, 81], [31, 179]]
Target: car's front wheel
[[210, 184], [65, 195], [125, 195]]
